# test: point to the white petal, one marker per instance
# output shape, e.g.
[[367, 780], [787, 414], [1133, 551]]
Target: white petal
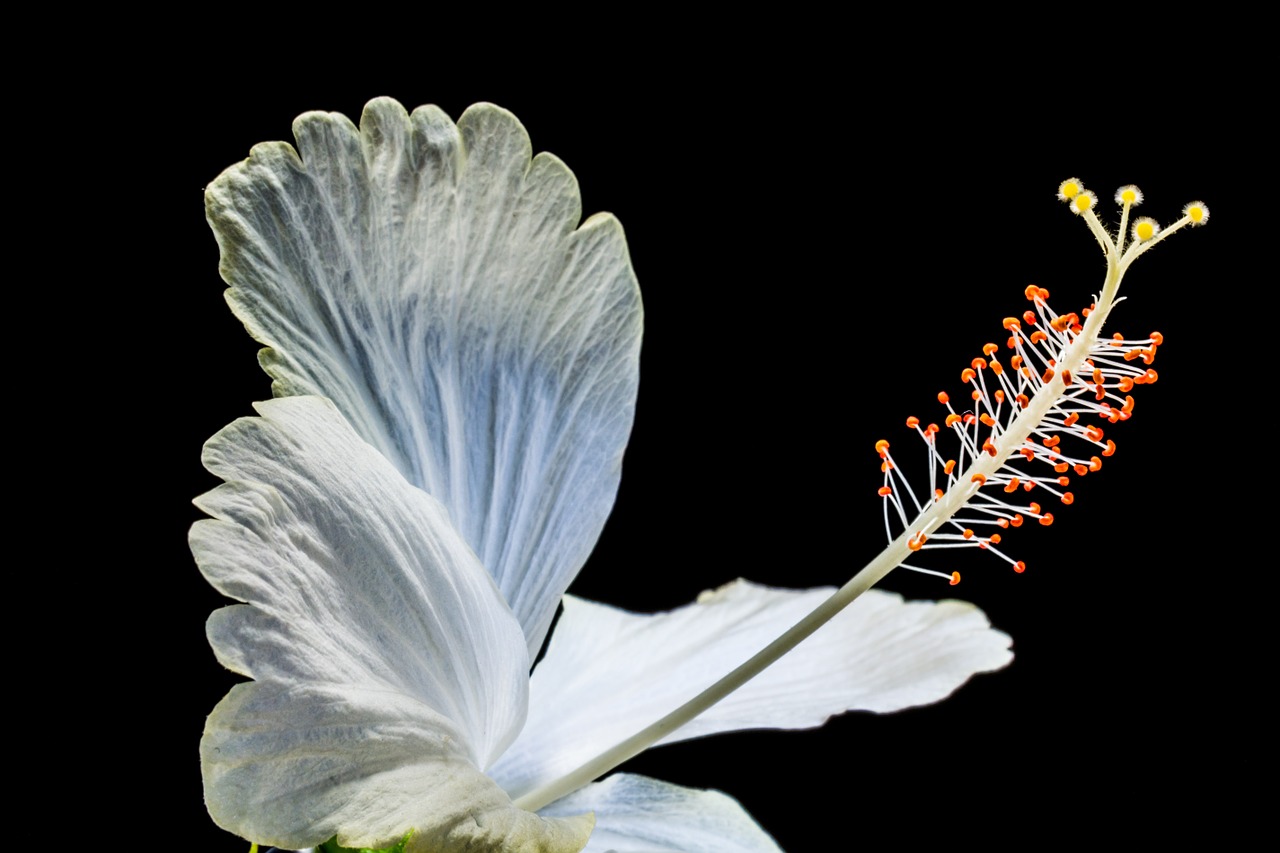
[[609, 673], [428, 278], [636, 814], [295, 765], [384, 653]]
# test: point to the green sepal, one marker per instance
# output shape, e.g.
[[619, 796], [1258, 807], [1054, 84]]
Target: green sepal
[[332, 846]]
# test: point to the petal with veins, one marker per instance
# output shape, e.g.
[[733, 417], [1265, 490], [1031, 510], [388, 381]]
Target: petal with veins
[[295, 765], [636, 814], [389, 669], [434, 282], [609, 673]]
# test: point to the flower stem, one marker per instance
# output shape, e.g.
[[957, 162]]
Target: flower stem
[[926, 522], [888, 560]]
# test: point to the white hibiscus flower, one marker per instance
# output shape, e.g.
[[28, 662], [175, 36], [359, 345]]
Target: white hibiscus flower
[[457, 359]]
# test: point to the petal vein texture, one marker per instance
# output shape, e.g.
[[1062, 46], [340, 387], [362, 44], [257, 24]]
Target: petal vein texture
[[388, 668], [433, 280]]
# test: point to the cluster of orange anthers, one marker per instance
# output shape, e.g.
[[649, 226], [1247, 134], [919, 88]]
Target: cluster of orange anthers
[[1042, 461]]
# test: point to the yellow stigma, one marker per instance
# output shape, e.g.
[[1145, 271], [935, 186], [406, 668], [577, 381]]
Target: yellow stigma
[[1129, 195], [1069, 189], [1083, 201], [1197, 212], [1145, 228]]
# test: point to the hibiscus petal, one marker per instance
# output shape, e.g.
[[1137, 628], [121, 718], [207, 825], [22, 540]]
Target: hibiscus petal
[[292, 765], [879, 654], [388, 667], [636, 814], [428, 278]]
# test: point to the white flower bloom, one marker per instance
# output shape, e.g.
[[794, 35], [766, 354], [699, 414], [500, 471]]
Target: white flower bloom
[[401, 546]]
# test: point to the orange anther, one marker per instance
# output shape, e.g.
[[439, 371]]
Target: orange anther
[[978, 363], [882, 447], [949, 467], [1029, 318], [1066, 377], [1126, 383], [1028, 452], [1053, 441], [1111, 448], [1097, 376], [968, 418], [1012, 342], [987, 420], [1031, 292], [1029, 485], [1130, 355], [1068, 498], [1115, 415], [1095, 464], [931, 430], [1011, 323], [989, 349], [1012, 485], [1101, 395], [1064, 481], [1016, 362], [1127, 408], [913, 422], [943, 397], [1151, 376], [1058, 324], [976, 395], [1048, 375], [917, 542], [1082, 469], [1042, 293], [1016, 521], [1038, 335], [1117, 340], [886, 466], [1046, 519], [988, 447], [997, 369], [1157, 338], [884, 491], [937, 494], [1094, 433], [968, 374], [1061, 467], [1020, 567], [952, 420], [1002, 522], [999, 395], [1071, 418], [968, 534], [1034, 508], [955, 578], [994, 539], [1023, 400], [980, 479]]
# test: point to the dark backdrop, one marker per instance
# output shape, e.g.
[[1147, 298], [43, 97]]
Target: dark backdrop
[[818, 259]]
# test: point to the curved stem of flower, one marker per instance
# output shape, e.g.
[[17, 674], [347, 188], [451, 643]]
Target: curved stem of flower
[[888, 560], [933, 517]]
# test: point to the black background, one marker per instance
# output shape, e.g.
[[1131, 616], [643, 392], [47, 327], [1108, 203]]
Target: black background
[[819, 255]]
